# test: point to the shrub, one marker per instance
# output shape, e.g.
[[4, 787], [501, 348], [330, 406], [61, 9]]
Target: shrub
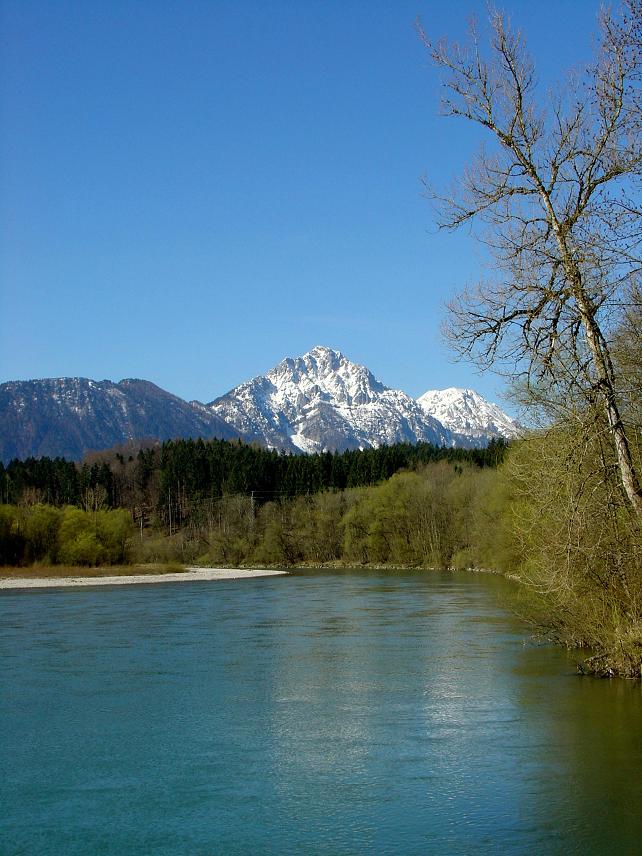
[[41, 527]]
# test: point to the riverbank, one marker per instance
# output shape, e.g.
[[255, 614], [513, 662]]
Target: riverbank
[[146, 578]]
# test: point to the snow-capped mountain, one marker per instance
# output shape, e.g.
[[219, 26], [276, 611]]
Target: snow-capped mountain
[[467, 415], [311, 403], [70, 416], [323, 401]]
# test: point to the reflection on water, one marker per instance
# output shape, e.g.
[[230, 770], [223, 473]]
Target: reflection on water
[[321, 713]]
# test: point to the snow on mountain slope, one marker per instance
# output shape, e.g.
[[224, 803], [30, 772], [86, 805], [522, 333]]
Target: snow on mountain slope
[[467, 414], [323, 401]]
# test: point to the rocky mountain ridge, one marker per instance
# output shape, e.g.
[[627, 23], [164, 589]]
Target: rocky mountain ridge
[[466, 414], [67, 417], [318, 401], [323, 401]]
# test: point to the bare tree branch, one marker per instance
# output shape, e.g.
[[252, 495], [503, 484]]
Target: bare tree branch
[[559, 195]]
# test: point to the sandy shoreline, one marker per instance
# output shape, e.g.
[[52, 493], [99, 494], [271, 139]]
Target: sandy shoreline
[[190, 575]]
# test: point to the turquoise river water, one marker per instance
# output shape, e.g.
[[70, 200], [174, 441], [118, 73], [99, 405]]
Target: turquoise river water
[[320, 713]]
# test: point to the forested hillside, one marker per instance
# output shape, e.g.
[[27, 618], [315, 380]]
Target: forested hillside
[[167, 480]]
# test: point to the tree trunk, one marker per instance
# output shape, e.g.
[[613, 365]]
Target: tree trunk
[[605, 382], [629, 477]]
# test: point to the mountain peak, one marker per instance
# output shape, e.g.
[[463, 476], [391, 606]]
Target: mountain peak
[[321, 400], [466, 412], [326, 372], [324, 351]]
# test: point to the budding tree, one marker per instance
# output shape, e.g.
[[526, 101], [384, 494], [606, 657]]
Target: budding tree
[[559, 193]]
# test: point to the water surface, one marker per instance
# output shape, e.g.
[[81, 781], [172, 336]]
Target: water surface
[[329, 713]]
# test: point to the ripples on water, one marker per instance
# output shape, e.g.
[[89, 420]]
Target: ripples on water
[[324, 713]]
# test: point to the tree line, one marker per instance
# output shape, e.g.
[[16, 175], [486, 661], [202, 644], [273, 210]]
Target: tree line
[[167, 479], [419, 517]]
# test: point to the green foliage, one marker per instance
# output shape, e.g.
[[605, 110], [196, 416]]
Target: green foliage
[[226, 530], [317, 520], [412, 519], [11, 540], [491, 511], [43, 533], [49, 480], [78, 537], [40, 528], [114, 530], [278, 544], [172, 480], [155, 548], [417, 518], [579, 546]]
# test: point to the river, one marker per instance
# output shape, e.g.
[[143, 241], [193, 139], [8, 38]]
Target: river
[[326, 712]]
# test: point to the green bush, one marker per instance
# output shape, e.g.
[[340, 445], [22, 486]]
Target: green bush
[[94, 538], [114, 531], [11, 539], [41, 528], [155, 548], [78, 537]]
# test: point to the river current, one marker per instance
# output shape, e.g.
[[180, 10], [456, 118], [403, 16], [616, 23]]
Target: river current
[[322, 713]]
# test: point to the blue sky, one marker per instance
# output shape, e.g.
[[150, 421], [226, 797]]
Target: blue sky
[[193, 190]]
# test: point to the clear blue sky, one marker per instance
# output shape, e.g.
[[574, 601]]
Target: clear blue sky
[[193, 190]]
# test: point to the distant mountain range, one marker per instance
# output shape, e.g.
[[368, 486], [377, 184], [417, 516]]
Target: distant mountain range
[[70, 416], [315, 402]]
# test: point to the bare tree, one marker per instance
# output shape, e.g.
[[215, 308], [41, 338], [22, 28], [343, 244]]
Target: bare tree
[[560, 193]]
